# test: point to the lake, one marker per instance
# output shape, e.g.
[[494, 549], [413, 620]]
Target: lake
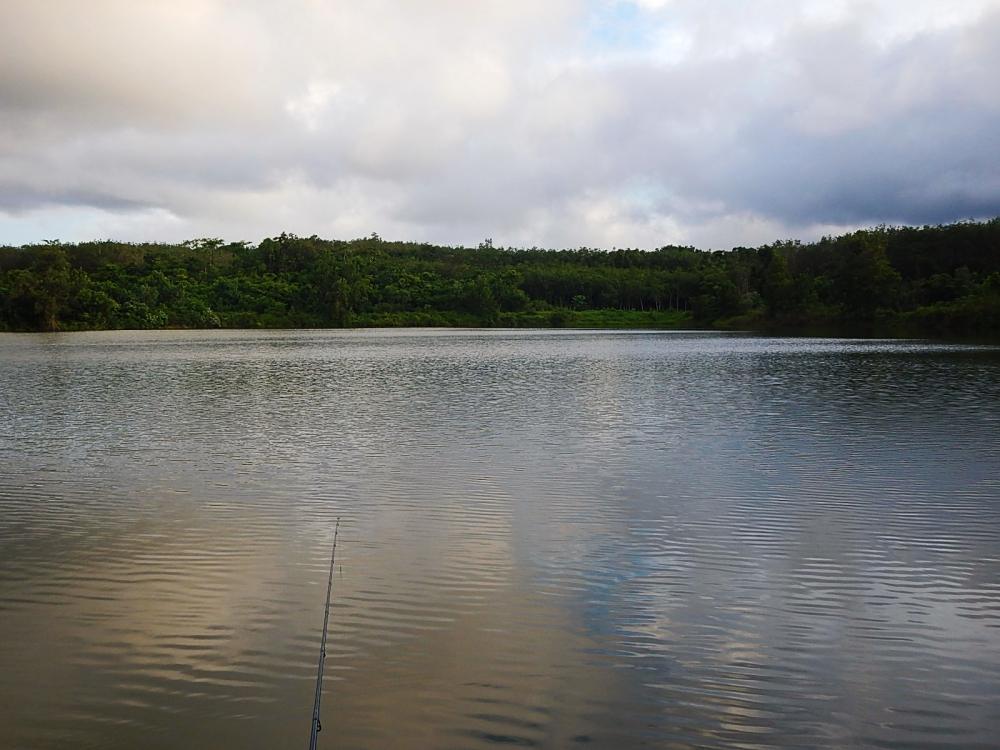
[[548, 539]]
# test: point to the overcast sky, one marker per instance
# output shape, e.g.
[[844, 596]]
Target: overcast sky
[[554, 123]]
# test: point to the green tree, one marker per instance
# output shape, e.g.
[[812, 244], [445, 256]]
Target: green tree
[[865, 282]]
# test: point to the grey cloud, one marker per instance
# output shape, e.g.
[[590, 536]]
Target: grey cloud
[[118, 63], [828, 129], [917, 143], [922, 170], [17, 198]]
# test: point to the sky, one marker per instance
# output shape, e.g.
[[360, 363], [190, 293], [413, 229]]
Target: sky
[[549, 123]]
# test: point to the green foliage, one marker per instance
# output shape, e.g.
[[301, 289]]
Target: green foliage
[[934, 279], [865, 282]]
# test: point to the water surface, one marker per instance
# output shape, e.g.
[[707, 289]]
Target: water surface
[[549, 539]]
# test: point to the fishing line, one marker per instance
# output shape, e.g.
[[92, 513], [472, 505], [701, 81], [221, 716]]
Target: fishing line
[[317, 726]]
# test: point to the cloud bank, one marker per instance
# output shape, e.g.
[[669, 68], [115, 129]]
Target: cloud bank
[[562, 123]]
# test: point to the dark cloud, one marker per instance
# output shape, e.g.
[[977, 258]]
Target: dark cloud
[[18, 198]]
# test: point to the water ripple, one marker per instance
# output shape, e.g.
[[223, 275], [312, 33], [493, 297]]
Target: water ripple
[[549, 539]]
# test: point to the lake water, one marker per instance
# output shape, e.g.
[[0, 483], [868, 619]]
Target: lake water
[[550, 539]]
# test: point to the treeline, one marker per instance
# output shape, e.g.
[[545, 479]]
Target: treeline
[[943, 279]]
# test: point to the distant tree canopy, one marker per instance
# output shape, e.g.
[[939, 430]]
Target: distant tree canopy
[[942, 279]]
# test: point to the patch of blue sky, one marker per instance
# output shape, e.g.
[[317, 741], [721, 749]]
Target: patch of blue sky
[[84, 223], [645, 194], [616, 27], [633, 30], [64, 223]]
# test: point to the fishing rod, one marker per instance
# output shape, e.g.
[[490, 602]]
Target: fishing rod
[[317, 726]]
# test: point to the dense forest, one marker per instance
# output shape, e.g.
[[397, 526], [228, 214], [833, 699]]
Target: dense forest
[[939, 280]]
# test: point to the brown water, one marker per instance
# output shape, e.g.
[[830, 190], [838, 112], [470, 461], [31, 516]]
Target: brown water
[[549, 539]]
